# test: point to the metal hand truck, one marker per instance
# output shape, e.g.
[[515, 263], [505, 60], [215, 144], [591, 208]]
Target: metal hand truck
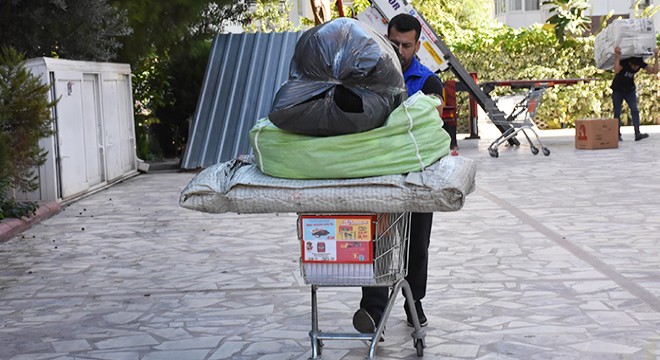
[[521, 119], [357, 249]]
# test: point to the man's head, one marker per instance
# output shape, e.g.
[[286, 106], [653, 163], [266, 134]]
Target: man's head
[[404, 30], [636, 62]]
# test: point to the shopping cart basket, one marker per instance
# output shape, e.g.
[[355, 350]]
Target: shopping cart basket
[[357, 249], [521, 119]]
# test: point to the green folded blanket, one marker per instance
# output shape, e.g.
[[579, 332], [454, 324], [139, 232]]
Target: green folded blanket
[[411, 139]]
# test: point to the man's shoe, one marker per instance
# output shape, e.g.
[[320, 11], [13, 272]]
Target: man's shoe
[[365, 323], [640, 136], [420, 314]]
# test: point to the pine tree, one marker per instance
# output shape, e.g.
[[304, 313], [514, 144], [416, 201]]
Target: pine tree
[[25, 118], [89, 30]]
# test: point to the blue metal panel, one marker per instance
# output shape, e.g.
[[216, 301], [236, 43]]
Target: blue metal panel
[[242, 77]]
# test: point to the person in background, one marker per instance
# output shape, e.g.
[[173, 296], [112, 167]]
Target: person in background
[[623, 87], [404, 31]]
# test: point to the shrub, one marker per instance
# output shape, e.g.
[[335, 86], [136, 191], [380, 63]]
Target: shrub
[[533, 53], [24, 119]]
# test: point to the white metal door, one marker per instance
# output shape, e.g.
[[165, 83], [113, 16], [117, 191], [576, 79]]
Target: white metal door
[[112, 126], [93, 130], [71, 133], [126, 123]]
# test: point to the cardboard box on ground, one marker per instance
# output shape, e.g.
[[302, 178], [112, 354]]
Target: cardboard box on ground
[[596, 134]]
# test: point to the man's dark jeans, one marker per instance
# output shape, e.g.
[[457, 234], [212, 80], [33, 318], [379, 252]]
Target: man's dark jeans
[[374, 299], [630, 98]]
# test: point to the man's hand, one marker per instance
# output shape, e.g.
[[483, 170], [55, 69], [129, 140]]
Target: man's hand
[[617, 64], [656, 67]]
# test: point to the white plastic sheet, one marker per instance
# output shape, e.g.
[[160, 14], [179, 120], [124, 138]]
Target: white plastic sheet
[[240, 187], [635, 38]]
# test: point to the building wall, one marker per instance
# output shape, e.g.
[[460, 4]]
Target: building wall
[[301, 9], [505, 12]]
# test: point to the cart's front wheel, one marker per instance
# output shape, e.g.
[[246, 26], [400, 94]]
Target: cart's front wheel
[[535, 150], [419, 346], [546, 151], [493, 153]]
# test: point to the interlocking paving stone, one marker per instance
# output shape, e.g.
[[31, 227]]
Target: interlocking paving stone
[[551, 258]]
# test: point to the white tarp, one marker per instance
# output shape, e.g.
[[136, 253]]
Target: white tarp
[[635, 38], [240, 187]]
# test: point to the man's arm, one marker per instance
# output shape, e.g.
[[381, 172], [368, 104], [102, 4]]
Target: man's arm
[[653, 69], [617, 63], [433, 86]]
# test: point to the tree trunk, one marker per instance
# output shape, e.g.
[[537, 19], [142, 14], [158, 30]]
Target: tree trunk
[[321, 9], [340, 8]]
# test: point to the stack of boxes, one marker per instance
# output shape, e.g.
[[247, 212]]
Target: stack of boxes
[[635, 38]]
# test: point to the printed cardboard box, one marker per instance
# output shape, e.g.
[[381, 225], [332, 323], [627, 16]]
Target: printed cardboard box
[[346, 239], [596, 134]]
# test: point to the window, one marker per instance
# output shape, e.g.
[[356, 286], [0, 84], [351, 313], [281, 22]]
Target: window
[[532, 5], [500, 7], [515, 5]]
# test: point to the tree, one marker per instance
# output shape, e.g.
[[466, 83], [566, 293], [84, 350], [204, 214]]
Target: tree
[[569, 18], [646, 12], [159, 25], [70, 29], [321, 9], [24, 120], [270, 16], [168, 67]]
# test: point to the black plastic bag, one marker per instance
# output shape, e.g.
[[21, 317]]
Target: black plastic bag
[[344, 78]]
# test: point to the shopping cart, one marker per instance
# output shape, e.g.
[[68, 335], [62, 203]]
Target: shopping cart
[[357, 249], [520, 119]]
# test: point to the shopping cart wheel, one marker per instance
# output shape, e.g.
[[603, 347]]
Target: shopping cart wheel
[[535, 150], [546, 151], [493, 153], [419, 346]]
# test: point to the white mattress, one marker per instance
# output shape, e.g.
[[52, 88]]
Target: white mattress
[[240, 187]]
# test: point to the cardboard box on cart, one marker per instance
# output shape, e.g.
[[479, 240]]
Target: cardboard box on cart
[[596, 134]]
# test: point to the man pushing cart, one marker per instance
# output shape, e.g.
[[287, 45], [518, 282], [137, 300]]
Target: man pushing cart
[[362, 157]]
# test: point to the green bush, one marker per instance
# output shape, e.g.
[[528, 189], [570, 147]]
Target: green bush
[[533, 53], [24, 119], [498, 52]]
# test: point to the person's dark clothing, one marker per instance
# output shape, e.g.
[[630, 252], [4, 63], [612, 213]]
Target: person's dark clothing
[[624, 81], [624, 89], [419, 77], [416, 77], [374, 299]]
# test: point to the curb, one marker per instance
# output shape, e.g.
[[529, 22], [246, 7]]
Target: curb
[[165, 165], [10, 227]]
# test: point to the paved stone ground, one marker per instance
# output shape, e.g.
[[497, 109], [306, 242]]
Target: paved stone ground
[[551, 258]]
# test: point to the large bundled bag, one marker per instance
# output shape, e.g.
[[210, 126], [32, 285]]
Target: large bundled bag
[[411, 139], [238, 186], [344, 78], [635, 38]]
